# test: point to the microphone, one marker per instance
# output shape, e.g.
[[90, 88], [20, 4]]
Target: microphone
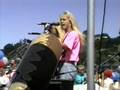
[[46, 23], [34, 33]]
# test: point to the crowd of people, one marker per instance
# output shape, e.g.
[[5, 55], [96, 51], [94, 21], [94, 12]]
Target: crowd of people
[[108, 79], [6, 73]]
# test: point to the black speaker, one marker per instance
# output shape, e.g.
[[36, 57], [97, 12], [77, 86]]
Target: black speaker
[[60, 85]]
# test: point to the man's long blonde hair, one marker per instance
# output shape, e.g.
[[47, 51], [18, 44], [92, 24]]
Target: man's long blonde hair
[[75, 26]]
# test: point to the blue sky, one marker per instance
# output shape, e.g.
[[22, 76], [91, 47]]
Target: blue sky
[[19, 17]]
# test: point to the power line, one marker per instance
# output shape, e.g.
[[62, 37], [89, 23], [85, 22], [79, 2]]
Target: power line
[[103, 21]]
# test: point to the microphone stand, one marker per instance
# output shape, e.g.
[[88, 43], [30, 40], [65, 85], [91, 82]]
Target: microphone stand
[[48, 26]]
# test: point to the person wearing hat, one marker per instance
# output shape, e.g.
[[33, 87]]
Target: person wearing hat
[[107, 78]]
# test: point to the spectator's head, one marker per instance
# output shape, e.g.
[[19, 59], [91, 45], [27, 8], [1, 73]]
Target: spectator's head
[[115, 76], [108, 73], [81, 68], [13, 63]]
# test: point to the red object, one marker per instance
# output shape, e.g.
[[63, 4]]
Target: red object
[[108, 73], [1, 64]]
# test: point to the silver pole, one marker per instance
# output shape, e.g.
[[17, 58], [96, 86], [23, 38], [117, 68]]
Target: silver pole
[[90, 41]]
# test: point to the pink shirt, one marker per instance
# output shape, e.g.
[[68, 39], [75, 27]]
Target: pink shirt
[[72, 41]]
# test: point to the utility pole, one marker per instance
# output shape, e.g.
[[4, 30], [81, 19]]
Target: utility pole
[[90, 41]]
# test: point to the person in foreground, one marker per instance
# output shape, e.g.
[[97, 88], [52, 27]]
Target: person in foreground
[[38, 64], [72, 45]]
